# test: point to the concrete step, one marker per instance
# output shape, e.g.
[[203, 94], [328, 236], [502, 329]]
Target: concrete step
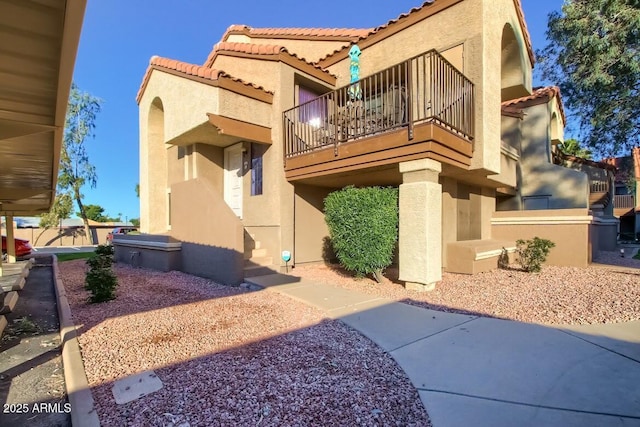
[[255, 261], [259, 270], [10, 300], [16, 285], [255, 253]]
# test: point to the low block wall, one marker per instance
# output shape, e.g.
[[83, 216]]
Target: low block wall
[[569, 229], [604, 233], [156, 252], [476, 256]]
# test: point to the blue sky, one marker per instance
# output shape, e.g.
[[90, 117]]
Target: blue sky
[[119, 37]]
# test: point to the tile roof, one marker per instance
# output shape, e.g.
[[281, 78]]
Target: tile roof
[[403, 16], [601, 164], [257, 50], [295, 33], [621, 162], [186, 68], [542, 94]]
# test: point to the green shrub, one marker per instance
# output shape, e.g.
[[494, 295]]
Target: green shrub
[[363, 226], [532, 253], [100, 280], [104, 250]]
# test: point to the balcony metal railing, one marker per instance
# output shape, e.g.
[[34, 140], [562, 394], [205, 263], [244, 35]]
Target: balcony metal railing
[[425, 88], [623, 201]]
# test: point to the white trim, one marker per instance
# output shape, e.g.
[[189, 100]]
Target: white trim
[[492, 253], [542, 220], [143, 244]]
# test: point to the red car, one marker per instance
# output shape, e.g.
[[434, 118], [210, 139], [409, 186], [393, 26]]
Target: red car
[[22, 246]]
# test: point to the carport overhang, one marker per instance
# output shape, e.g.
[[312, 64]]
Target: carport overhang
[[37, 56], [223, 131], [40, 42]]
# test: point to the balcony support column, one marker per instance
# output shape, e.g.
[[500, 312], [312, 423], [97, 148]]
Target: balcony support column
[[420, 228]]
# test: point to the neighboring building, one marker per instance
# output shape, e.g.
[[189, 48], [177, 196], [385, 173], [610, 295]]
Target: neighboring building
[[237, 154], [626, 202]]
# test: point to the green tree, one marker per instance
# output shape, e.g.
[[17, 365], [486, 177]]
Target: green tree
[[61, 209], [75, 168], [573, 148], [137, 189], [135, 222], [594, 55], [95, 213]]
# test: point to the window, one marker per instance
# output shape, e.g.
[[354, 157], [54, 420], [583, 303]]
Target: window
[[257, 151]]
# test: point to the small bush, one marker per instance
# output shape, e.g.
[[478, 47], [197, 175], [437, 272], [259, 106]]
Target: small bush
[[532, 253], [100, 280], [363, 227], [503, 259]]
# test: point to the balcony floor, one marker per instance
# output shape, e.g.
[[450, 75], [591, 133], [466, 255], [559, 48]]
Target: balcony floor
[[430, 140]]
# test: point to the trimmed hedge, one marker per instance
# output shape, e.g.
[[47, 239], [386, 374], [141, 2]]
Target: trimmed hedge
[[363, 226]]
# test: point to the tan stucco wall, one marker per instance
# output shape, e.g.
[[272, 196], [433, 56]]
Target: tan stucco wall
[[67, 236], [212, 235], [481, 36], [310, 50], [449, 214], [175, 164], [569, 229], [263, 73], [187, 102], [311, 229], [566, 188], [210, 166]]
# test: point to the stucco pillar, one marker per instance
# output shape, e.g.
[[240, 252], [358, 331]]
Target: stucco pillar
[[420, 239], [11, 242]]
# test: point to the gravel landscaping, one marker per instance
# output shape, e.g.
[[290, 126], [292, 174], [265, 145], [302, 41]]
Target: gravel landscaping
[[227, 356], [557, 295]]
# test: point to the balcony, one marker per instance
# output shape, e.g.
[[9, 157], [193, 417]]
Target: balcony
[[599, 194], [623, 205], [420, 108]]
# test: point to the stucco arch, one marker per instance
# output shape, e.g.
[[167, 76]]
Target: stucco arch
[[557, 129], [514, 72], [157, 171]]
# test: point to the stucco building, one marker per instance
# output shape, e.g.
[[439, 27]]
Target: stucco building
[[238, 153]]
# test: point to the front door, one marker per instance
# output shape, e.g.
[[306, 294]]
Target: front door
[[233, 178]]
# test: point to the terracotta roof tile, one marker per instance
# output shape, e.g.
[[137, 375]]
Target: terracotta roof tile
[[256, 49], [188, 69], [320, 33], [541, 93], [427, 3]]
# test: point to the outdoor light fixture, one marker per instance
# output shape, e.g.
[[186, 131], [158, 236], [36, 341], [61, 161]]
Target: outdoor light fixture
[[286, 257], [622, 253]]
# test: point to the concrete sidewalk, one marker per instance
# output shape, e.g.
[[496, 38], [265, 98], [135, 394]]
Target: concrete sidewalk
[[472, 370]]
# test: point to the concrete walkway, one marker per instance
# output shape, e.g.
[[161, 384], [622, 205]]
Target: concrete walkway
[[487, 372]]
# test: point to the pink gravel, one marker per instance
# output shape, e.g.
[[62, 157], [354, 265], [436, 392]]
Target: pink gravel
[[608, 293], [227, 356]]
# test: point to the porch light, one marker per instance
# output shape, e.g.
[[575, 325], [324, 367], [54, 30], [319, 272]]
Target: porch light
[[622, 253]]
